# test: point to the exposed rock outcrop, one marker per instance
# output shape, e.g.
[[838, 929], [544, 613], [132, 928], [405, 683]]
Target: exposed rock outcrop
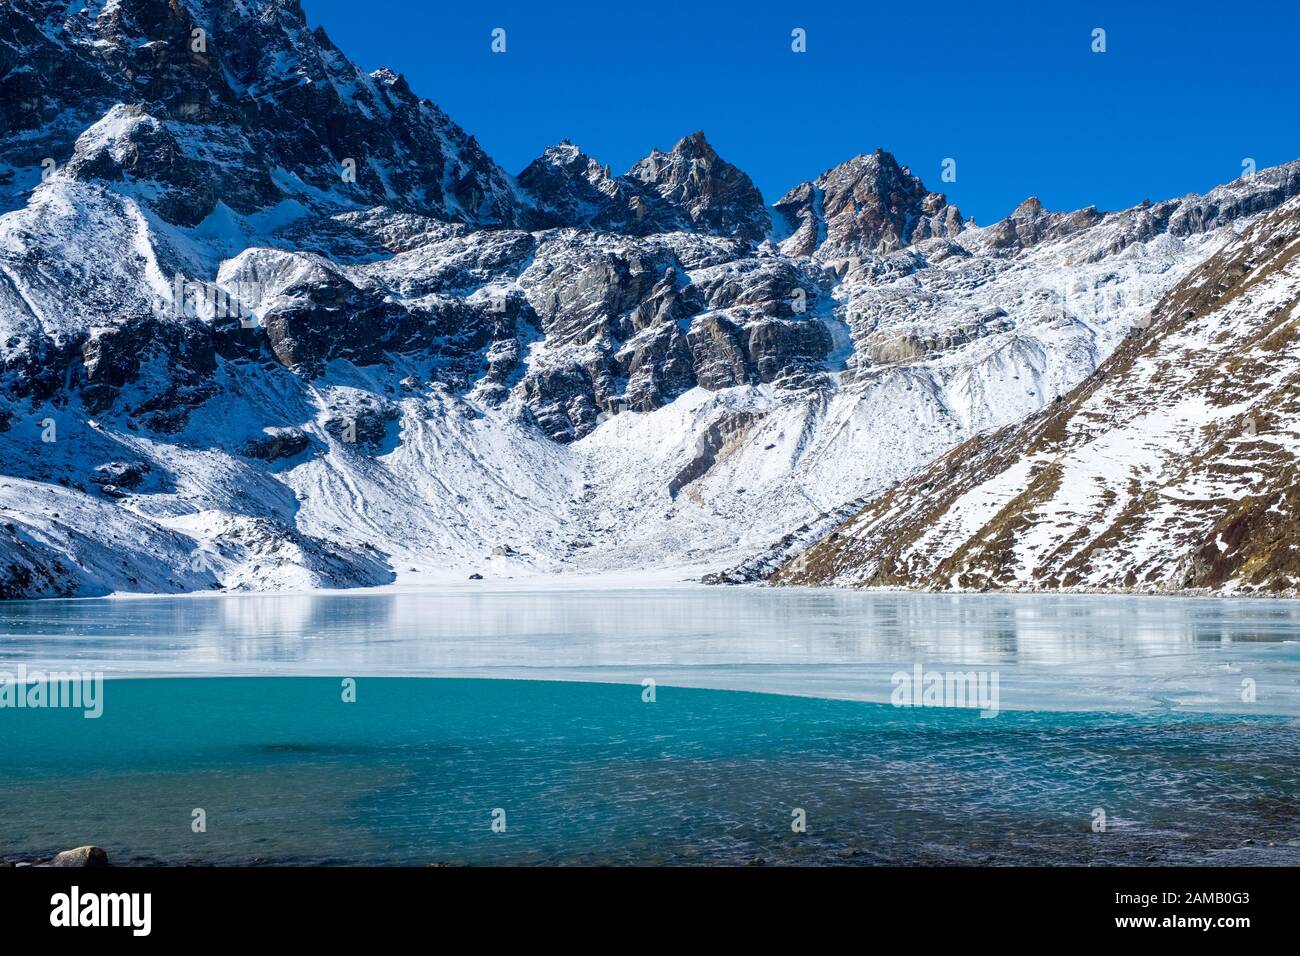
[[869, 204], [82, 856]]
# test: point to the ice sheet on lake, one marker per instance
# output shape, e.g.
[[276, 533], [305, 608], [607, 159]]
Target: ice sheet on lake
[[1049, 652]]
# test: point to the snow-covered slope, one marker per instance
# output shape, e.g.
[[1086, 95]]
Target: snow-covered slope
[[225, 363], [1173, 467]]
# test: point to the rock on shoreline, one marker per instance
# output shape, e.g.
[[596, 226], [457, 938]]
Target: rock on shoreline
[[82, 856]]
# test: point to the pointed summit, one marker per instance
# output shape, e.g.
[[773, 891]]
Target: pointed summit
[[689, 189], [1031, 208], [289, 108], [568, 188], [695, 146], [1031, 223], [394, 81], [698, 190], [869, 204]]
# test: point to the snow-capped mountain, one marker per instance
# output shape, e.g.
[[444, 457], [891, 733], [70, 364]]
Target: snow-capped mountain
[[1173, 467], [238, 101], [267, 321]]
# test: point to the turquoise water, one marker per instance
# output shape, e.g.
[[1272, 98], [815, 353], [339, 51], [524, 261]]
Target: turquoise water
[[410, 773], [1134, 706]]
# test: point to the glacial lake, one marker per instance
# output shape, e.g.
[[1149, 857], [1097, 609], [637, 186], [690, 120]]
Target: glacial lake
[[1051, 652], [627, 726]]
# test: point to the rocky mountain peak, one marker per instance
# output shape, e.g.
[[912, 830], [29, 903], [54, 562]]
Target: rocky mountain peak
[[695, 146], [698, 190], [565, 154], [1031, 223], [394, 81], [689, 189], [262, 90], [563, 151], [868, 204], [1031, 208], [569, 188]]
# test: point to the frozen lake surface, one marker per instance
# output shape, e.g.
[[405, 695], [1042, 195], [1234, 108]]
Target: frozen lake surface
[[1134, 710], [1106, 653]]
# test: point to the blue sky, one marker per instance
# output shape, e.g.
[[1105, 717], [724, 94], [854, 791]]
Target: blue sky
[[1011, 90]]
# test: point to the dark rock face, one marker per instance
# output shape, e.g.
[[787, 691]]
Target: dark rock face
[[700, 191], [718, 349], [689, 189], [642, 330], [778, 286], [1030, 224], [715, 351], [278, 444], [727, 353], [323, 317], [869, 204], [263, 92], [503, 358], [785, 351], [622, 310], [801, 212], [179, 357], [120, 475], [29, 570], [361, 420], [581, 292], [562, 401], [658, 367], [572, 189]]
